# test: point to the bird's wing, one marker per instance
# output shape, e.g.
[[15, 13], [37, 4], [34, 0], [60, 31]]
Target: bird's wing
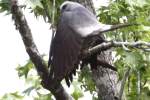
[[65, 49]]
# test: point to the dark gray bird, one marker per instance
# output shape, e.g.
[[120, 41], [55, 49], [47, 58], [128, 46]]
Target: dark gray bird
[[75, 27]]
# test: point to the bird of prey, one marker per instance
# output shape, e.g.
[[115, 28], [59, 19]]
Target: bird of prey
[[76, 25]]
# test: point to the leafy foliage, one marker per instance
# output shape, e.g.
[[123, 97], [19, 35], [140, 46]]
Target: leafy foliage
[[10, 96], [45, 9], [77, 92], [127, 11], [5, 6], [24, 70], [85, 77]]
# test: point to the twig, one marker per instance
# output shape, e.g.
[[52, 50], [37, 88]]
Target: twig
[[107, 45], [53, 14], [123, 83], [138, 84], [41, 67]]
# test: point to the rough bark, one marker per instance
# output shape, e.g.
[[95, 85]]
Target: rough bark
[[105, 79]]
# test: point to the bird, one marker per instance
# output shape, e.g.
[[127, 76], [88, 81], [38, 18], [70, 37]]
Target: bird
[[77, 30]]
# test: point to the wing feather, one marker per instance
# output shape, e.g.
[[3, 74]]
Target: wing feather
[[65, 50]]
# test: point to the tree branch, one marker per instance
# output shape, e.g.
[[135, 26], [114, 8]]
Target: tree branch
[[126, 74], [25, 32], [42, 69], [138, 85], [107, 45]]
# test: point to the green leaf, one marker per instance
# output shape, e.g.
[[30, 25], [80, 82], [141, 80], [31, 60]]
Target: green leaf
[[77, 94], [24, 70], [132, 58], [139, 3], [28, 90], [43, 96], [85, 77], [35, 3], [5, 6], [12, 96]]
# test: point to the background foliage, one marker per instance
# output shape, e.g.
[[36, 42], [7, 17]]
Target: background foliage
[[137, 85]]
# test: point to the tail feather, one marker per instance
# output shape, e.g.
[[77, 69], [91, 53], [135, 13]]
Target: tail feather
[[67, 81]]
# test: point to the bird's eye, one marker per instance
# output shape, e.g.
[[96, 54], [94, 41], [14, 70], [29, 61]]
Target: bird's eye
[[64, 7]]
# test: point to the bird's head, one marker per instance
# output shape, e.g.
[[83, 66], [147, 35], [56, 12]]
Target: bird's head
[[69, 6]]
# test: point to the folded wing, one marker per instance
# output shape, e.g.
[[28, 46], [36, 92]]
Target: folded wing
[[64, 53]]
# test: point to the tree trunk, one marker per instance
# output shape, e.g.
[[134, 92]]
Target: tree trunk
[[105, 79]]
